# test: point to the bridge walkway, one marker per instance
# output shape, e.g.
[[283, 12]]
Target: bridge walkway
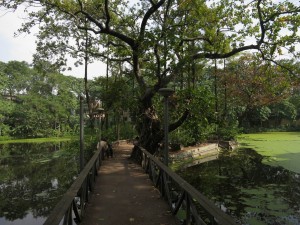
[[124, 195]]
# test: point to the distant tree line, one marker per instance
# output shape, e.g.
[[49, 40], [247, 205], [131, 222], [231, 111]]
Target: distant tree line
[[224, 98], [37, 101], [168, 43]]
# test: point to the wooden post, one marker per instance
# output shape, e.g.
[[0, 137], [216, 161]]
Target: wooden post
[[81, 135], [166, 92]]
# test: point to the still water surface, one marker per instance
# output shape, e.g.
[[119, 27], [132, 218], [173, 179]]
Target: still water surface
[[247, 189], [33, 177]]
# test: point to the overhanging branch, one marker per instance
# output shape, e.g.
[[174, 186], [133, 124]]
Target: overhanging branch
[[180, 121], [225, 55]]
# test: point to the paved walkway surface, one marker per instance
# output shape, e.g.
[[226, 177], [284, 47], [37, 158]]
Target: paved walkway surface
[[124, 195]]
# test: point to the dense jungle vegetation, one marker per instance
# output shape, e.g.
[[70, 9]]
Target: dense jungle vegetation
[[245, 95], [232, 64]]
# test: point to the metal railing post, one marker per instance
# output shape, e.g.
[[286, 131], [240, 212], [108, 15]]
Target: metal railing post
[[81, 135]]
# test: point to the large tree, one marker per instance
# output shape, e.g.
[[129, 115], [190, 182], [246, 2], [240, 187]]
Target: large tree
[[251, 84], [36, 103], [160, 38]]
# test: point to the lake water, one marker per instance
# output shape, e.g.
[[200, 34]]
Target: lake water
[[33, 177], [247, 189]]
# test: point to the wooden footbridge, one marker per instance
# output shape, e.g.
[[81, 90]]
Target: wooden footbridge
[[117, 191]]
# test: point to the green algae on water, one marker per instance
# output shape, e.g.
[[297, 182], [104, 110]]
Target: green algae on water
[[278, 148]]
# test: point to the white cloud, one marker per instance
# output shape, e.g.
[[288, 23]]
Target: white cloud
[[22, 47], [95, 69], [14, 48]]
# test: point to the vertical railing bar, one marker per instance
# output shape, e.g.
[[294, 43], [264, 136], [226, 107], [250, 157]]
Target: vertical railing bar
[[66, 217], [144, 157], [150, 170], [145, 162], [153, 174], [213, 221], [94, 173], [162, 183], [77, 216], [158, 179], [195, 214], [82, 200], [167, 189], [179, 202], [87, 183], [188, 209], [70, 219], [148, 165]]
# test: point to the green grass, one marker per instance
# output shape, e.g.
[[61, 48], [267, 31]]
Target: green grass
[[280, 148], [36, 140]]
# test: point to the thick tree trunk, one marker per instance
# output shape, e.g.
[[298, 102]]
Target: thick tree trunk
[[148, 124], [149, 127]]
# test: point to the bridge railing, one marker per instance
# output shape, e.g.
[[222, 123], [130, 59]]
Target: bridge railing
[[72, 205], [181, 196]]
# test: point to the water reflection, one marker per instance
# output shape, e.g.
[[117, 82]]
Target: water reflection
[[32, 179], [245, 188]]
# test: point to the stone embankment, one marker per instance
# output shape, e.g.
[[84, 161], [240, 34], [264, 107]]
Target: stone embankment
[[195, 152], [201, 151]]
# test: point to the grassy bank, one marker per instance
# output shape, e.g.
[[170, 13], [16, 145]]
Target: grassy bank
[[280, 148], [37, 140]]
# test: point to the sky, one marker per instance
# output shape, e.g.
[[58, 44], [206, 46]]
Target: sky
[[22, 48]]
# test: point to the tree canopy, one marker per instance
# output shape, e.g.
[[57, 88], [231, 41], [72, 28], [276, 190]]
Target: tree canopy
[[35, 103], [163, 41]]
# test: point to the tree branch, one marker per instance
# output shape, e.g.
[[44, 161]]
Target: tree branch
[[107, 15], [274, 15], [261, 23], [157, 62], [195, 39], [282, 66], [241, 49], [148, 14], [180, 121], [115, 44], [225, 55]]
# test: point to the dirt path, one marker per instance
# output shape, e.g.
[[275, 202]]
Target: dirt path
[[124, 195]]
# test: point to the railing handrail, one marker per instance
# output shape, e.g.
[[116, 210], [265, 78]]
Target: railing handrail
[[83, 184], [207, 204], [67, 201]]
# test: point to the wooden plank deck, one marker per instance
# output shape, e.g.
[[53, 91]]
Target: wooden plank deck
[[124, 195]]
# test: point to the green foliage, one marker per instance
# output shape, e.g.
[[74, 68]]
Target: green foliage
[[284, 110], [118, 98], [16, 78], [158, 43], [126, 131], [197, 127], [115, 92], [250, 91], [39, 104], [228, 132]]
